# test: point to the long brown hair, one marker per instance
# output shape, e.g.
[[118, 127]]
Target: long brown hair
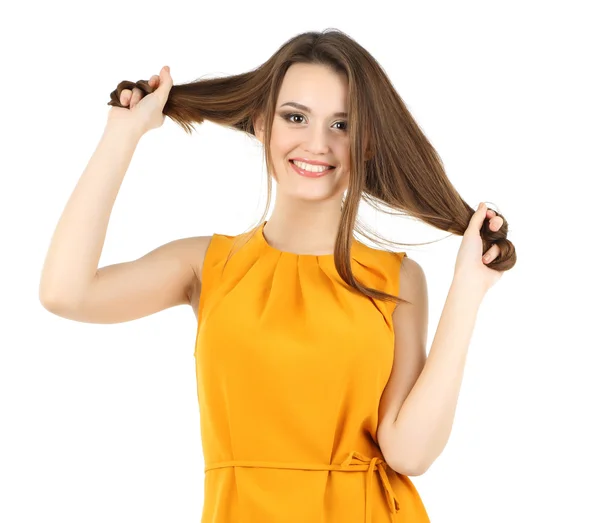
[[393, 163]]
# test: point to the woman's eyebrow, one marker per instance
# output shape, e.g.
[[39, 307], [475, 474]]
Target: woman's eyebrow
[[304, 108]]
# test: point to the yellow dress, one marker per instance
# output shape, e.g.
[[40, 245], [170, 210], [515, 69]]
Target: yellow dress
[[290, 368]]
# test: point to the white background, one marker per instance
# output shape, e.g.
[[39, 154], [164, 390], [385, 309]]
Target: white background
[[100, 423]]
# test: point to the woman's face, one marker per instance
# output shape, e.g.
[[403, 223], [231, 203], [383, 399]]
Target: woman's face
[[313, 132]]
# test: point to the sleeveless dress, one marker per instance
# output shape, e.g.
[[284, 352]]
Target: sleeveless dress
[[290, 367]]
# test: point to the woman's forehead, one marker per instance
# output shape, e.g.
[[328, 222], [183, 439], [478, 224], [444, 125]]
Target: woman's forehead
[[315, 89]]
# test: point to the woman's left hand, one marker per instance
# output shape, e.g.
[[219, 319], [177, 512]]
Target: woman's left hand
[[470, 268]]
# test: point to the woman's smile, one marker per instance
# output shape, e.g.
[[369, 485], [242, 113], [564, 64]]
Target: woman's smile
[[310, 171]]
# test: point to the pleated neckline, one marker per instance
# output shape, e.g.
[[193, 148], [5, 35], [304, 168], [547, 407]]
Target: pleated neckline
[[359, 252], [261, 237]]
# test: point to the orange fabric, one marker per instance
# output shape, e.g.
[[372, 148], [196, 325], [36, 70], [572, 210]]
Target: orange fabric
[[290, 367]]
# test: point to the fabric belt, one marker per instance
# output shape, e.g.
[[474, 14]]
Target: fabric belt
[[355, 462]]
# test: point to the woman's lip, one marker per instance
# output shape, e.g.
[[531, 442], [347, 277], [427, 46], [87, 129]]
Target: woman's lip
[[313, 162], [310, 174]]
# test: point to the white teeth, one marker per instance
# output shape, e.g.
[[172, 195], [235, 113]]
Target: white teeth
[[311, 168]]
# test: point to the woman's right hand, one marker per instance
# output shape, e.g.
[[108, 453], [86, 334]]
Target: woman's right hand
[[143, 111]]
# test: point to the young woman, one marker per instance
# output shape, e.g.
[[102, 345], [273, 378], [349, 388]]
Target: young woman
[[316, 396]]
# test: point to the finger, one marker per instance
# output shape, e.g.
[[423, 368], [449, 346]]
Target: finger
[[491, 254], [166, 82], [477, 219], [495, 220], [135, 97], [495, 223], [153, 82], [125, 97]]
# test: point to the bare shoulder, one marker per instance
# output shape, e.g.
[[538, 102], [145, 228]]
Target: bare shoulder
[[191, 252], [199, 247], [413, 283], [201, 244]]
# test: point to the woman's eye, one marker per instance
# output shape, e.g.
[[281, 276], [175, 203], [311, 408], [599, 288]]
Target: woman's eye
[[292, 115]]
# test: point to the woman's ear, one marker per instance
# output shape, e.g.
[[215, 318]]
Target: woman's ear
[[259, 128]]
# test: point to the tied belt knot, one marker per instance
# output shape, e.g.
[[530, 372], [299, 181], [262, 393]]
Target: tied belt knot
[[355, 462]]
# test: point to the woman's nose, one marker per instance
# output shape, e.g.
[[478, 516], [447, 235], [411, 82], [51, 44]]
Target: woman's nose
[[317, 141]]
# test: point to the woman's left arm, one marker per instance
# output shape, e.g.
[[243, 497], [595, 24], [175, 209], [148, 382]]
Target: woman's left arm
[[424, 422], [425, 419]]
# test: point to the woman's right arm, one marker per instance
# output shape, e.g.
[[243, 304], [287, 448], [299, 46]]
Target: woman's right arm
[[72, 259], [71, 284]]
